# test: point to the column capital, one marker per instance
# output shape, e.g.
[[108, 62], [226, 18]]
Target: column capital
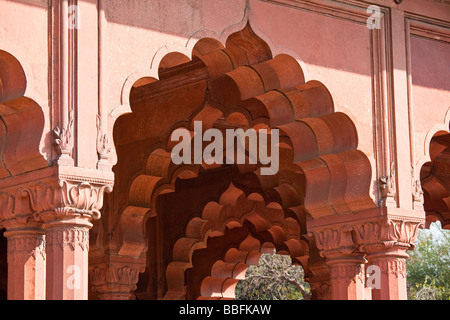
[[393, 235], [55, 195], [115, 277], [369, 231], [335, 241]]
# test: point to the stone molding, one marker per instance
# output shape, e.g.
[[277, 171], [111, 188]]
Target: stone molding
[[388, 233]]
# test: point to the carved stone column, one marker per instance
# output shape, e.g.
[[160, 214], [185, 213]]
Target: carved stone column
[[382, 236], [67, 258], [60, 202], [66, 206], [386, 243], [25, 244], [26, 261], [346, 263]]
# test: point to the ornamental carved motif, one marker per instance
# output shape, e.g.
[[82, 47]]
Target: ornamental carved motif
[[63, 138], [333, 240], [103, 142], [56, 199], [26, 247], [387, 232], [392, 266], [73, 238], [348, 272], [117, 277]]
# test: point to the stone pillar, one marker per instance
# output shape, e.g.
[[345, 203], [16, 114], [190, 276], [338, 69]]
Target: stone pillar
[[391, 269], [67, 205], [346, 263], [347, 276], [67, 258], [26, 261], [386, 242]]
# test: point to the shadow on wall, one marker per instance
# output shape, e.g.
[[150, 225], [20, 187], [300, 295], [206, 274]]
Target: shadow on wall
[[316, 36]]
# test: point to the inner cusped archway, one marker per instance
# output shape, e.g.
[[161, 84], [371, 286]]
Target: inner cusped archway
[[435, 180], [229, 236]]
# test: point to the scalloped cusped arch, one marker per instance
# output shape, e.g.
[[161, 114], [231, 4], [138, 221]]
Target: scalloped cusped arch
[[21, 121], [239, 85], [435, 180]]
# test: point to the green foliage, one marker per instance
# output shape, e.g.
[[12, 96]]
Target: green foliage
[[275, 278], [428, 272]]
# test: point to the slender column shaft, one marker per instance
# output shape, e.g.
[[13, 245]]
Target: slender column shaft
[[347, 277], [67, 260], [391, 273], [26, 263]]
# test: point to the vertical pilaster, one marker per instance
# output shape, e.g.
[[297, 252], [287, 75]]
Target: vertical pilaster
[[400, 119]]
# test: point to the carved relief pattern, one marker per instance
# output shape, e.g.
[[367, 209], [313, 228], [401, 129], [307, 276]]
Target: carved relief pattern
[[56, 200], [387, 184], [103, 143], [331, 240], [6, 206], [73, 238], [115, 278], [387, 232], [417, 191], [63, 138], [26, 246], [392, 266], [348, 272]]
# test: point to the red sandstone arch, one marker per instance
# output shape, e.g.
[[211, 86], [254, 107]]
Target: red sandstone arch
[[238, 85], [22, 121], [435, 180], [233, 210]]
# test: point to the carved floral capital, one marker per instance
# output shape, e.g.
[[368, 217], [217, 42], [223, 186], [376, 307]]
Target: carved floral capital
[[115, 279], [387, 233], [51, 195], [333, 241], [390, 232]]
